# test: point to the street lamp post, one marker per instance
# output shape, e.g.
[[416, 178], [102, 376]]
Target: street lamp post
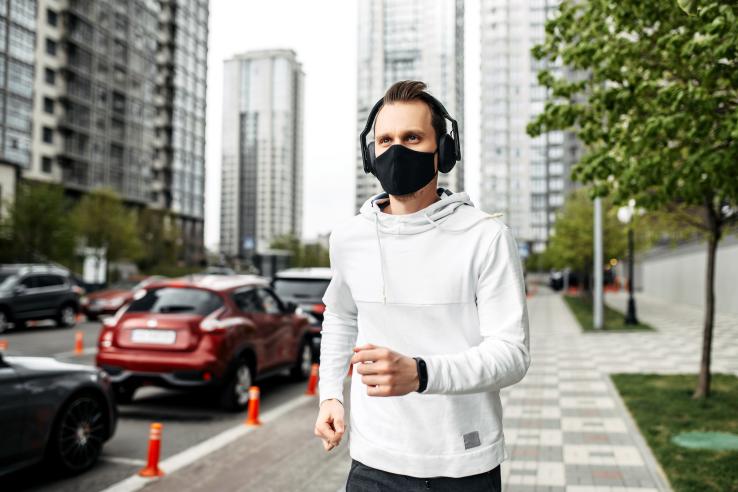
[[625, 215]]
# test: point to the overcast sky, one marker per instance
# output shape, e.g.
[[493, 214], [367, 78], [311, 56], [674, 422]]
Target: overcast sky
[[323, 34]]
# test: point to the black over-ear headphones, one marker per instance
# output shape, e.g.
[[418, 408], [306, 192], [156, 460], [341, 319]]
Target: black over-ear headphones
[[449, 148]]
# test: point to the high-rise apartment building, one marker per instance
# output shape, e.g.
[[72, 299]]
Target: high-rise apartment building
[[524, 178], [410, 40], [118, 97], [262, 161], [17, 41]]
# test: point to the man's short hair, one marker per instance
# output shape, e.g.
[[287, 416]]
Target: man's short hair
[[410, 90]]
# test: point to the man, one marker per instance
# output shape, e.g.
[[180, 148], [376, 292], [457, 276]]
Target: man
[[427, 301]]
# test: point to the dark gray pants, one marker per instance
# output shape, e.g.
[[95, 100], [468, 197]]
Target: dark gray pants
[[363, 478]]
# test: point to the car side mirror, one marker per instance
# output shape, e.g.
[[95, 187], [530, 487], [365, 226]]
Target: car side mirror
[[19, 289]]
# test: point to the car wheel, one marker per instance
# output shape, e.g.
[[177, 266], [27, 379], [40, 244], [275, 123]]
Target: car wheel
[[78, 435], [123, 393], [304, 363], [4, 322], [67, 316], [235, 392]]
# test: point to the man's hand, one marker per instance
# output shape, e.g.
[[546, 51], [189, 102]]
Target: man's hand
[[330, 426], [385, 372]]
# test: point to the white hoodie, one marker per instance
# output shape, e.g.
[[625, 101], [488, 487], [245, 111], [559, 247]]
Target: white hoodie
[[444, 283]]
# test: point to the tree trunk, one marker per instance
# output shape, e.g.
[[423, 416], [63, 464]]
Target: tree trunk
[[703, 382]]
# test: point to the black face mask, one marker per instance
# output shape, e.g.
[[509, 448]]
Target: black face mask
[[401, 170]]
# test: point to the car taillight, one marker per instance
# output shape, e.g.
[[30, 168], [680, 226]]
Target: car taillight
[[106, 339], [319, 308]]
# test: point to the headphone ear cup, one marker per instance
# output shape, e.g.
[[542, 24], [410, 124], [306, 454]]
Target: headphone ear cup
[[446, 153], [369, 166]]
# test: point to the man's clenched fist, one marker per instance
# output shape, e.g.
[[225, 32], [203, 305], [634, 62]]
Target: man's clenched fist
[[385, 372], [330, 426]]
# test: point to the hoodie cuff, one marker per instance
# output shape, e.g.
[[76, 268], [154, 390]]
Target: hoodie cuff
[[325, 394]]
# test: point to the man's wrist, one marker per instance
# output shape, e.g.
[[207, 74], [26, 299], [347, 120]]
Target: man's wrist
[[327, 399], [422, 374]]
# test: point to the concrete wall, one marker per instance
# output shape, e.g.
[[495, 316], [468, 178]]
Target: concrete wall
[[678, 274]]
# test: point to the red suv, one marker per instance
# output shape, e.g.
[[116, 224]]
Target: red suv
[[204, 331]]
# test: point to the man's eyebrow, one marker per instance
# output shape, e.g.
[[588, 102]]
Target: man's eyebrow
[[415, 131]]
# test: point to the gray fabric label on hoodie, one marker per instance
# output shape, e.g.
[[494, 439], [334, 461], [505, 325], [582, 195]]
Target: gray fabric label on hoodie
[[471, 440]]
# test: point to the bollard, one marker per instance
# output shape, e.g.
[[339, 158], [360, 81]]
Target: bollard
[[313, 379], [253, 418], [79, 347], [152, 466]]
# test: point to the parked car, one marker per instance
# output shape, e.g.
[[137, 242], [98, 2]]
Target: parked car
[[218, 332], [108, 301], [53, 411], [36, 292]]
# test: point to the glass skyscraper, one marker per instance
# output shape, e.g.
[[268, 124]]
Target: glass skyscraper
[[262, 167]]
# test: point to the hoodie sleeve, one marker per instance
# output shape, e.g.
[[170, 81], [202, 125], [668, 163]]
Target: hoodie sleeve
[[503, 357], [339, 331]]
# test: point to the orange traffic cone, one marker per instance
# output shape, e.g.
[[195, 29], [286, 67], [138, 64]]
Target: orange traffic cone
[[3, 345], [79, 346], [313, 379], [351, 370], [79, 317], [152, 466], [253, 418]]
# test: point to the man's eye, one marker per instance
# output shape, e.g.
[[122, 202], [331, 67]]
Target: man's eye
[[383, 140], [413, 137]]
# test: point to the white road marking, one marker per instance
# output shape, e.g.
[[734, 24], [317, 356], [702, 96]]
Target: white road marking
[[120, 460], [198, 451]]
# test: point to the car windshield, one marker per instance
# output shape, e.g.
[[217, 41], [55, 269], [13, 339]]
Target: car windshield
[[7, 279], [176, 300], [301, 288]]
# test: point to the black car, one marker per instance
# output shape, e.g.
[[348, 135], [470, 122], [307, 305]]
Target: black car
[[53, 411], [36, 292]]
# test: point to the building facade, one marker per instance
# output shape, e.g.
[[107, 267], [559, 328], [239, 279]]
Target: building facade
[[118, 101], [262, 160], [180, 99], [410, 40], [525, 178]]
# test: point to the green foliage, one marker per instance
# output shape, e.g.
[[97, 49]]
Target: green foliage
[[36, 227], [570, 244], [658, 106], [303, 255], [159, 232], [101, 220]]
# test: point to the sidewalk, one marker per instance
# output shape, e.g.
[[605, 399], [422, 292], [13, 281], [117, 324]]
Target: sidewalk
[[565, 426]]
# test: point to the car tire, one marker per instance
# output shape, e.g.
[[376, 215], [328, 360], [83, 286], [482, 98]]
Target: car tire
[[123, 393], [234, 394], [67, 316], [78, 434], [300, 371]]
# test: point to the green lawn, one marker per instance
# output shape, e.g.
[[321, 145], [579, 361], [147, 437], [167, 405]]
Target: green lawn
[[614, 320], [662, 407]]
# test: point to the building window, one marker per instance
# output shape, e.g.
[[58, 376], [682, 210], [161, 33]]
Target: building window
[[50, 76], [48, 135], [50, 47], [46, 165], [51, 17], [48, 105]]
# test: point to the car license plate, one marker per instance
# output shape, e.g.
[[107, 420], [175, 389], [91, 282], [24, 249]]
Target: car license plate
[[163, 337]]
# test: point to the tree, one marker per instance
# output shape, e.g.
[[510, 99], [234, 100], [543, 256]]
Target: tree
[[570, 244], [37, 227], [657, 111], [102, 221], [303, 255], [159, 232]]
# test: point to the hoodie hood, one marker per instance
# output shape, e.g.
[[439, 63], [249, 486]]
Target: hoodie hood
[[432, 216]]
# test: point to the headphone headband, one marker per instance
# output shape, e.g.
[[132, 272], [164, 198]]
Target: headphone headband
[[431, 101]]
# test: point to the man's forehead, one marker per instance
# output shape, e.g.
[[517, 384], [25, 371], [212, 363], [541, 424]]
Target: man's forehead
[[402, 114]]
